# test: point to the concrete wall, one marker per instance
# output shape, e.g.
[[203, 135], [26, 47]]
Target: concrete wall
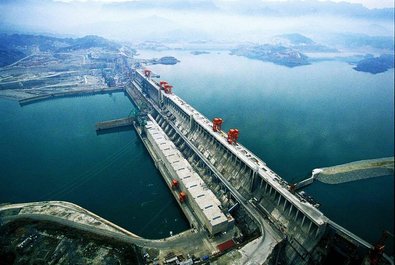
[[148, 86], [203, 202], [245, 171]]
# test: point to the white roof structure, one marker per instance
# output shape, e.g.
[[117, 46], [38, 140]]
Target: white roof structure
[[200, 196]]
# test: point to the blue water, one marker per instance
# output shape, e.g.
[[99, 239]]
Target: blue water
[[295, 119], [50, 151], [362, 206], [298, 119]]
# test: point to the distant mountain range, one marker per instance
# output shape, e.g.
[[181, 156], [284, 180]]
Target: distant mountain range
[[273, 53], [16, 46], [192, 20], [286, 49], [169, 4], [266, 8], [354, 40], [302, 8], [301, 43]]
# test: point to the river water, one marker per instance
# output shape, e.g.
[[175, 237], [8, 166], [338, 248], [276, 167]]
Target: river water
[[50, 151], [295, 119], [298, 119]]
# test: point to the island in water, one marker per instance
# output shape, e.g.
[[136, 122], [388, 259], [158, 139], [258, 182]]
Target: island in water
[[376, 65], [169, 60], [273, 53], [199, 52]]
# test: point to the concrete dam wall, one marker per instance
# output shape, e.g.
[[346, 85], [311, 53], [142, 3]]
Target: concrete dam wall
[[193, 135], [267, 207]]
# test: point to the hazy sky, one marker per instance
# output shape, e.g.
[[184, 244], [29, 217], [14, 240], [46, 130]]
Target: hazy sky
[[173, 20], [366, 3], [370, 3]]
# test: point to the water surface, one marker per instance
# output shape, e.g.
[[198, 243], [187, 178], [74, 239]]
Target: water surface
[[295, 119], [298, 119], [50, 151]]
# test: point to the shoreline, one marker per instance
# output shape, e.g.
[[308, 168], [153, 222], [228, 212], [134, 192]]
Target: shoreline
[[60, 94], [73, 93]]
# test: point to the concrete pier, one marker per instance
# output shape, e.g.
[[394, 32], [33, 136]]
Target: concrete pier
[[111, 124], [358, 170], [72, 93], [304, 183]]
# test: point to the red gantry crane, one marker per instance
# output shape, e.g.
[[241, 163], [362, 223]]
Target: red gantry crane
[[233, 135], [147, 72], [217, 123], [166, 87], [174, 184], [182, 196]]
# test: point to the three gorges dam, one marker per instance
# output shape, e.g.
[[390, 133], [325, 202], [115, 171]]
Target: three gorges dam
[[224, 189], [238, 209]]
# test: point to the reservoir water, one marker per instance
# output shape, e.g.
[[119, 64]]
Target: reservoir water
[[295, 119], [298, 119], [50, 151]]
